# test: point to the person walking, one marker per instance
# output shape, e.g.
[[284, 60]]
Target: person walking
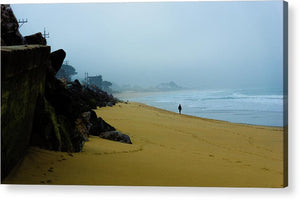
[[179, 108]]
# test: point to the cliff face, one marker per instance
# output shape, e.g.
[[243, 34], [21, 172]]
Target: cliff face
[[23, 73], [37, 108]]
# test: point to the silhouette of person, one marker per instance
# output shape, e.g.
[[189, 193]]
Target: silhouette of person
[[179, 108]]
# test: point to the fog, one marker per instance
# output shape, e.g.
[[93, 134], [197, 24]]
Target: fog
[[195, 44]]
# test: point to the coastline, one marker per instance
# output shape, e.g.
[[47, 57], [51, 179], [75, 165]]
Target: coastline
[[241, 114], [208, 119], [168, 150]]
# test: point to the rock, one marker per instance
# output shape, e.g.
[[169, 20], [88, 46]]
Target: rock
[[82, 131], [51, 130], [86, 117], [116, 136], [38, 109], [10, 34], [99, 126], [57, 59], [35, 39], [76, 83], [22, 82], [93, 116]]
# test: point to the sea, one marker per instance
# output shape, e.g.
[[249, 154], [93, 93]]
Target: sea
[[247, 106]]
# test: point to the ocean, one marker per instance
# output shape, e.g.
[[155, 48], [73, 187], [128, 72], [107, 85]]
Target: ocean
[[247, 106]]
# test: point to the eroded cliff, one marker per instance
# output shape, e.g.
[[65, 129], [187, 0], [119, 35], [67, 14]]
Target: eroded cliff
[[23, 74]]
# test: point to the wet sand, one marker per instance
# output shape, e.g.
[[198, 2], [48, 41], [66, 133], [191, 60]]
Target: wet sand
[[168, 150]]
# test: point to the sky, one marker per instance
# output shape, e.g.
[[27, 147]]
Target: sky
[[212, 45]]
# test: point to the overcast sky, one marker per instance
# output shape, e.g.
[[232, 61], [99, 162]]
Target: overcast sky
[[195, 44]]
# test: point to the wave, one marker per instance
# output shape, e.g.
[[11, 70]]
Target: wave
[[240, 96], [241, 106]]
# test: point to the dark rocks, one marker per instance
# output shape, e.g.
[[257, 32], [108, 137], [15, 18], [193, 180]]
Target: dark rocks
[[38, 109], [10, 34], [88, 99], [86, 118], [57, 59], [22, 81], [82, 129], [36, 38], [116, 136], [104, 130], [51, 130], [99, 126]]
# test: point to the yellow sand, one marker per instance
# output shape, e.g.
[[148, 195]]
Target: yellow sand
[[168, 150]]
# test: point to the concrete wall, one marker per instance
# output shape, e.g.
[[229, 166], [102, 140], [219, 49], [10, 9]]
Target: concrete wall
[[23, 73]]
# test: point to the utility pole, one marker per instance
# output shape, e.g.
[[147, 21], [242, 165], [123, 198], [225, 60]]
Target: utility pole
[[21, 22], [45, 35], [86, 77]]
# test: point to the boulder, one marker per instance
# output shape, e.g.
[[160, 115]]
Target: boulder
[[57, 59], [116, 136], [10, 34], [51, 130], [35, 39], [99, 126]]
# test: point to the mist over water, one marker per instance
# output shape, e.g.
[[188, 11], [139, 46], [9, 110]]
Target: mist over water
[[251, 106], [200, 45], [195, 44]]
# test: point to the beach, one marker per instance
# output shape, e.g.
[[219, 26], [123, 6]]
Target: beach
[[168, 150]]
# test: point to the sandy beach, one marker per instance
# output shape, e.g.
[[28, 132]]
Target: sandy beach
[[168, 150]]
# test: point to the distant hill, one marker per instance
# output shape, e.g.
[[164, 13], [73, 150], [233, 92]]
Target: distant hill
[[168, 86]]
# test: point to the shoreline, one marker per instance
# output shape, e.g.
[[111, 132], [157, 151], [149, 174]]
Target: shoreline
[[168, 150], [195, 104], [203, 118]]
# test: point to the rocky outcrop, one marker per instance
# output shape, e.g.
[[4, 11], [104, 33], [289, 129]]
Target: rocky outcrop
[[102, 129], [61, 120], [36, 38], [37, 108], [10, 34], [57, 59], [99, 126], [23, 75], [116, 136]]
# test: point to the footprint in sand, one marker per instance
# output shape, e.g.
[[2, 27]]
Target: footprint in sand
[[265, 169], [227, 160], [61, 160], [210, 155], [238, 161], [50, 169]]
